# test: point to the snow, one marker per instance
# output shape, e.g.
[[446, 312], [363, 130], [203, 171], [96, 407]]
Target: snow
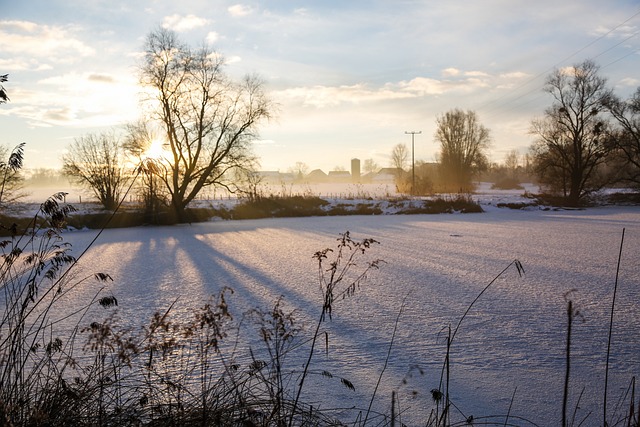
[[512, 340]]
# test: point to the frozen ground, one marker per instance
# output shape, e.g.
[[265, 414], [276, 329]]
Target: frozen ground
[[512, 341]]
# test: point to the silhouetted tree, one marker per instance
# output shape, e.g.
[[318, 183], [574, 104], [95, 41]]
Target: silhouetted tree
[[370, 166], [96, 163], [626, 139], [512, 163], [46, 177], [299, 171], [570, 137], [400, 156], [208, 120], [463, 144]]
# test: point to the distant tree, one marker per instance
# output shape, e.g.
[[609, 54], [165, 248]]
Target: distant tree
[[46, 177], [512, 162], [626, 140], [370, 166], [208, 120], [299, 170], [252, 189], [96, 163], [424, 178], [400, 156], [339, 168], [570, 136], [505, 175], [463, 144]]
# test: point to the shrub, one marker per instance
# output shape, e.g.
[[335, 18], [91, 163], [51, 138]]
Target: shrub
[[358, 209], [274, 206], [507, 183], [516, 206], [459, 203]]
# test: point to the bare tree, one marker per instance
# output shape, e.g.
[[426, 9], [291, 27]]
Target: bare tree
[[626, 140], [208, 120], [400, 156], [463, 144], [512, 160], [570, 147], [299, 170], [96, 163], [370, 166]]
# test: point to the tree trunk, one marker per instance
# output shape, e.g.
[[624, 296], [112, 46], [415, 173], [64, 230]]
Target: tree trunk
[[180, 211], [574, 192]]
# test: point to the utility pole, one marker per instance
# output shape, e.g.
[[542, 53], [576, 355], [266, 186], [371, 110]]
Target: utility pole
[[413, 133]]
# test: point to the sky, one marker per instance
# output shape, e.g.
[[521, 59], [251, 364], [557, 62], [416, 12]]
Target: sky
[[349, 78]]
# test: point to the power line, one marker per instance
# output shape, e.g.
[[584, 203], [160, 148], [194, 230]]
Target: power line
[[537, 76], [617, 44], [621, 58]]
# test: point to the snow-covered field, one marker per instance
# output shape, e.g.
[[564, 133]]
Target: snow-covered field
[[512, 341]]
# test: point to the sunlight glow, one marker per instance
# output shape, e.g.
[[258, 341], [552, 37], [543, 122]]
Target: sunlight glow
[[156, 150]]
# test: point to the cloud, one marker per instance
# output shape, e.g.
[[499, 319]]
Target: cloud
[[78, 99], [629, 82], [55, 43], [238, 10], [476, 74], [331, 96], [461, 83], [621, 32], [103, 78], [424, 86], [212, 37], [450, 72], [514, 75], [58, 115], [183, 23], [23, 64]]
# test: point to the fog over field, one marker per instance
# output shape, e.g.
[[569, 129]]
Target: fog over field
[[512, 341]]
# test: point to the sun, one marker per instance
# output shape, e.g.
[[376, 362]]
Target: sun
[[156, 150]]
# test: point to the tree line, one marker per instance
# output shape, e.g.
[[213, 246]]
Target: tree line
[[588, 138]]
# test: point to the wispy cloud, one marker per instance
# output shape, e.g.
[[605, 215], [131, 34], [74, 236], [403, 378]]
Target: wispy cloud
[[450, 72], [238, 10], [62, 101], [212, 37], [327, 96], [28, 39], [458, 83], [183, 23], [630, 82]]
